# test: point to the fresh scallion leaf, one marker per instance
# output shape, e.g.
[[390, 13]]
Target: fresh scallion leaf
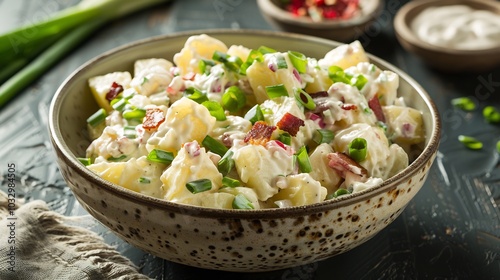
[[254, 55], [85, 161], [233, 99], [215, 109], [285, 138], [136, 113], [359, 81], [198, 186], [464, 103], [276, 91], [498, 146], [340, 192], [470, 142], [160, 156], [337, 75], [491, 114], [214, 146], [119, 104], [129, 132], [55, 38], [358, 149], [254, 114], [230, 182], [195, 95], [299, 61], [226, 163], [144, 180], [116, 159], [233, 63], [204, 65], [303, 160], [281, 61], [241, 202], [323, 136], [304, 98], [97, 118], [266, 50]]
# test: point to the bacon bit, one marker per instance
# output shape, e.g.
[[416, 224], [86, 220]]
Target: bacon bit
[[154, 117], [374, 104], [343, 164], [290, 124], [348, 107], [189, 76], [114, 90], [318, 94], [260, 133]]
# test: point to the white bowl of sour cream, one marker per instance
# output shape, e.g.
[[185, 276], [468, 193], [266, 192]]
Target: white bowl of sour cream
[[452, 35]]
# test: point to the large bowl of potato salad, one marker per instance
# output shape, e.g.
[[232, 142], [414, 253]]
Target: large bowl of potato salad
[[243, 150]]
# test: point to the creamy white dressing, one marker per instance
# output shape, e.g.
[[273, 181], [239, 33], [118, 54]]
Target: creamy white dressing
[[458, 27]]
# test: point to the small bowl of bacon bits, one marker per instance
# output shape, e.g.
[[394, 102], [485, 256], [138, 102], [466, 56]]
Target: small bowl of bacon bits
[[339, 20]]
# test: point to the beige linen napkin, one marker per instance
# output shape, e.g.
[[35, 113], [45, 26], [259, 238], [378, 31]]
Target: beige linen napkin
[[35, 243]]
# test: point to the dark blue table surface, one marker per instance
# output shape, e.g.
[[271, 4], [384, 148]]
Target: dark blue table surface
[[450, 230]]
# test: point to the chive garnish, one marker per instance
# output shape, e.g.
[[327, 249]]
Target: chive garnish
[[464, 103], [215, 109], [265, 50], [198, 186], [97, 118], [136, 113], [195, 95], [298, 60], [116, 159], [276, 91], [241, 202], [144, 180], [303, 160], [470, 142], [214, 146], [85, 161], [323, 136], [491, 114], [230, 182], [359, 81], [358, 149], [304, 98], [226, 163], [233, 99], [254, 114], [160, 156], [285, 138]]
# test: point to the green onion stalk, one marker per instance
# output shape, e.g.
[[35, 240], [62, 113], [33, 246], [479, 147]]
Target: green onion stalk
[[25, 58]]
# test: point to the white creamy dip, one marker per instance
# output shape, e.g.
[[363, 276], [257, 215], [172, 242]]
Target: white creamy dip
[[458, 27]]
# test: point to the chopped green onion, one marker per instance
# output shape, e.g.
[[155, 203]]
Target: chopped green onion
[[298, 60], [233, 99], [119, 104], [491, 114], [230, 182], [226, 163], [116, 159], [303, 160], [144, 80], [144, 180], [337, 75], [202, 65], [254, 55], [276, 91], [214, 146], [281, 61], [198, 186], [382, 125], [357, 149], [129, 132], [215, 109], [233, 63], [241, 202], [304, 98], [323, 136], [265, 50], [160, 156], [97, 118], [254, 114], [285, 138], [195, 95], [340, 192], [470, 142], [85, 161], [136, 113], [359, 81], [464, 103], [498, 146]]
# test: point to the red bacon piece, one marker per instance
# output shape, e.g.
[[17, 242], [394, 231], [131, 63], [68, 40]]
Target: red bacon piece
[[154, 117], [374, 104], [290, 124], [348, 107], [343, 164], [260, 133], [114, 90]]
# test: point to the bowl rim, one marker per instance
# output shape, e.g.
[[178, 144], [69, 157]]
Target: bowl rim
[[268, 213], [402, 28], [269, 8]]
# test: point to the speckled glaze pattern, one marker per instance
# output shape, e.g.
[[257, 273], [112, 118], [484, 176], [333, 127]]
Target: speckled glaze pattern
[[257, 240]]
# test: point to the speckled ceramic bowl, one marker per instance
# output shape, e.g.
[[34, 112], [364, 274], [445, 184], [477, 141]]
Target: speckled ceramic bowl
[[339, 30], [232, 240]]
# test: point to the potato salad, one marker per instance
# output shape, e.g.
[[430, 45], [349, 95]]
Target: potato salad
[[238, 128]]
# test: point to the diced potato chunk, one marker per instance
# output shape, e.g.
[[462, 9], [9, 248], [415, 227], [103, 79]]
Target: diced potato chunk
[[405, 124], [196, 48], [345, 56], [100, 86]]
